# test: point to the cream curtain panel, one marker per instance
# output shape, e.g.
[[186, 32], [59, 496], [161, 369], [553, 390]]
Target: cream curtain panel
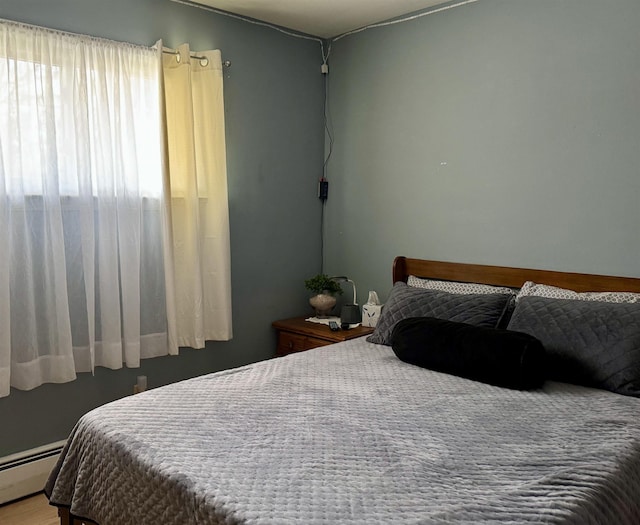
[[193, 95]]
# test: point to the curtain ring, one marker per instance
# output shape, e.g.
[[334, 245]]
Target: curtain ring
[[204, 62]]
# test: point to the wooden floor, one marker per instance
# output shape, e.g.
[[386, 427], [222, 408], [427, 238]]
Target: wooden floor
[[34, 510]]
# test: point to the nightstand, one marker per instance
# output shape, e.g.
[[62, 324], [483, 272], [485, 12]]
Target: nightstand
[[297, 335]]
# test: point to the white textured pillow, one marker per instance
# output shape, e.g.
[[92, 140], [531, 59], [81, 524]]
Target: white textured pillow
[[530, 289], [457, 287]]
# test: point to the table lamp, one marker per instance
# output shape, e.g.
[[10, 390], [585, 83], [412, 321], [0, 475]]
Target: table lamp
[[350, 313]]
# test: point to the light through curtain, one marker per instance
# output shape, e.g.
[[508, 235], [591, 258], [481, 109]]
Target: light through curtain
[[82, 220], [199, 203]]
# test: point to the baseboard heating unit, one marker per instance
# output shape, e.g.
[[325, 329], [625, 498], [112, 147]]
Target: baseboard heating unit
[[26, 472]]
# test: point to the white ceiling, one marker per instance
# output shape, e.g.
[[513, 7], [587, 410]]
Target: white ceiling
[[322, 18]]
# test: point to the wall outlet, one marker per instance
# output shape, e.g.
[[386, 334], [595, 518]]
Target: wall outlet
[[141, 384]]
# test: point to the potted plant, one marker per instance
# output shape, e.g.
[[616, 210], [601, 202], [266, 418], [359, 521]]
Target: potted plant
[[324, 289]]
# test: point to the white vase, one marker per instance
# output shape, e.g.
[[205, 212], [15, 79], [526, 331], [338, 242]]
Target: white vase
[[323, 304]]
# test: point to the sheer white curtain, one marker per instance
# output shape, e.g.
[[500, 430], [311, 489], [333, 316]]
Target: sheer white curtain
[[82, 221], [199, 202]]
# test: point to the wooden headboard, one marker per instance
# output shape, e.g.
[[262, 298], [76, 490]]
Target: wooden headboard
[[511, 277]]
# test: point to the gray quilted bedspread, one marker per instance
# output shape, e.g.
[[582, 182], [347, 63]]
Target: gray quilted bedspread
[[350, 434]]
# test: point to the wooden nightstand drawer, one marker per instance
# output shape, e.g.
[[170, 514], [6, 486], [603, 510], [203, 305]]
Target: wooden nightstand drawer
[[289, 343], [298, 335]]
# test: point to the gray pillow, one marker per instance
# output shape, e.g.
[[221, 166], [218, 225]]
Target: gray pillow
[[467, 288], [406, 301], [590, 343]]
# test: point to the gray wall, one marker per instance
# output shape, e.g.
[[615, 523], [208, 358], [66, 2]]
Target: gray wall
[[273, 105], [501, 132]]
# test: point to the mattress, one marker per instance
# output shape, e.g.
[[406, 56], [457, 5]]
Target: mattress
[[349, 434]]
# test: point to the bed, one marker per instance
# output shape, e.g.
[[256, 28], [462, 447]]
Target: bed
[[349, 433]]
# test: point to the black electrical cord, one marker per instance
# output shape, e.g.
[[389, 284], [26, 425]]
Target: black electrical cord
[[326, 162]]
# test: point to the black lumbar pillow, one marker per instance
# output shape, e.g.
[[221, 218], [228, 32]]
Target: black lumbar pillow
[[499, 357]]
